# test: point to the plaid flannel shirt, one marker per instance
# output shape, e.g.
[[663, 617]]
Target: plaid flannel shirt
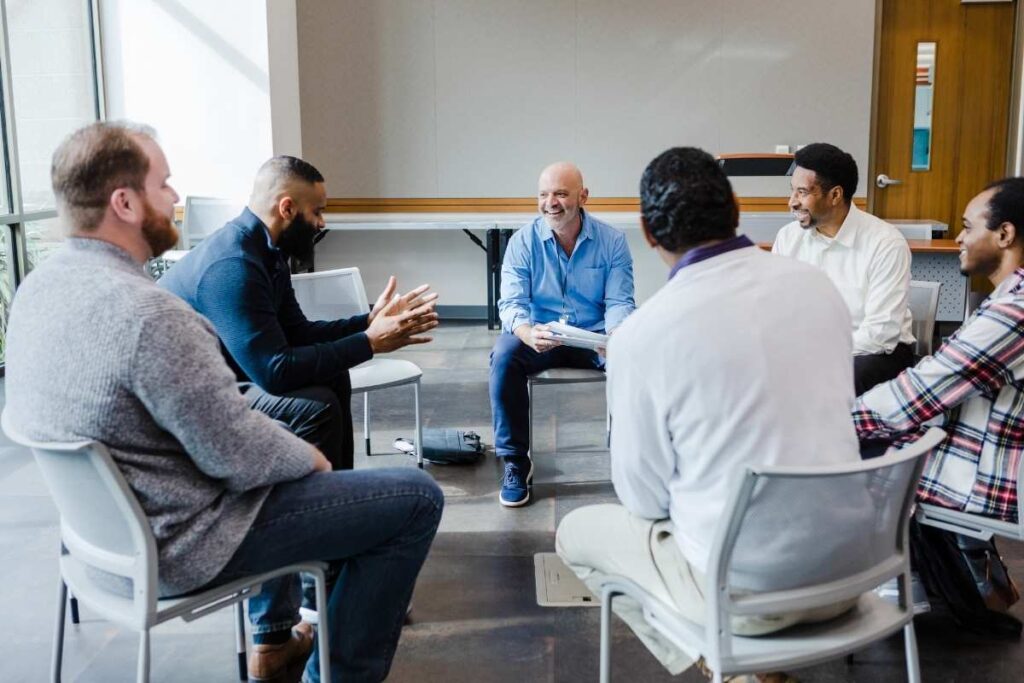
[[973, 387]]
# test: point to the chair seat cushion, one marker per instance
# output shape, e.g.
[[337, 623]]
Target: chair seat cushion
[[379, 373], [567, 376], [799, 645]]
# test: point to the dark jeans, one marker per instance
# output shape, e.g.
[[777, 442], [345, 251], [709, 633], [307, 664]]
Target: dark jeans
[[374, 527], [511, 362], [321, 415], [872, 370]]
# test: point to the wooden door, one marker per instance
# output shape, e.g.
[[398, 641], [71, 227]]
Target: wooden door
[[970, 87]]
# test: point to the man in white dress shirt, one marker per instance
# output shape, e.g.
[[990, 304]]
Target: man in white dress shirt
[[867, 259], [716, 372]]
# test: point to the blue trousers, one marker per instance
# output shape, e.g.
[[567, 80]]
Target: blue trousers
[[321, 415], [511, 362], [374, 527]]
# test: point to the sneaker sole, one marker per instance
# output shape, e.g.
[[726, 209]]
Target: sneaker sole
[[524, 501], [515, 504]]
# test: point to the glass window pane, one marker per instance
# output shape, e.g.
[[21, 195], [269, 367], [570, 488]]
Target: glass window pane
[[53, 85], [43, 237]]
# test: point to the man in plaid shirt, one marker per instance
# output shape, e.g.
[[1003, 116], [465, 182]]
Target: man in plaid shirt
[[973, 387]]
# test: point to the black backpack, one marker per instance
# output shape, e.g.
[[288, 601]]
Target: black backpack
[[970, 577]]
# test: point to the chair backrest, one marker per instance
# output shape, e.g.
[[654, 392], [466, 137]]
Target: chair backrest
[[796, 538], [205, 215], [331, 294], [924, 304], [102, 524]]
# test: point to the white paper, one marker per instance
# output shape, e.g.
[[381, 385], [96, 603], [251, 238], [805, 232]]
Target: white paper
[[574, 336]]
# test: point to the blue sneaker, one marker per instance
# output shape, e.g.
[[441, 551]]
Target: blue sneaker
[[515, 487]]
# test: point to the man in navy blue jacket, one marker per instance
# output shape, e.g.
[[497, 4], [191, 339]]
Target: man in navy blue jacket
[[292, 369]]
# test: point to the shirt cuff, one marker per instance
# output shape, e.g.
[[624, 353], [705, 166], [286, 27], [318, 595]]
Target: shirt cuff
[[356, 347]]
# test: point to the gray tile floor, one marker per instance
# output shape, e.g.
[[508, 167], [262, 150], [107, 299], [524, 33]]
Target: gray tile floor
[[475, 617]]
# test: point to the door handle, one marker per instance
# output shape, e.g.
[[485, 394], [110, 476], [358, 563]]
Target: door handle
[[883, 181]]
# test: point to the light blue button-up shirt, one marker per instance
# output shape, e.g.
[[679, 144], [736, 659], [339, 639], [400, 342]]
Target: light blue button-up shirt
[[592, 289]]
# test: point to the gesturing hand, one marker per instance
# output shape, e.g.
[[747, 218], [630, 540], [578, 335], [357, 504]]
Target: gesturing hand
[[384, 298], [400, 320]]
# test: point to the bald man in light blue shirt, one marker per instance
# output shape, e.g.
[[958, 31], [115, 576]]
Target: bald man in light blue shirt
[[565, 265]]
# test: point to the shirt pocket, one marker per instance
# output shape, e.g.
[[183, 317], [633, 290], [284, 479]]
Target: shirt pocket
[[590, 283]]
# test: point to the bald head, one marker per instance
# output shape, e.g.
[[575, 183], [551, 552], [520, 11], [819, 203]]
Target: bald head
[[560, 194], [563, 173]]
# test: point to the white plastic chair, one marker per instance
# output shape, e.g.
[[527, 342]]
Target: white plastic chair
[[566, 376], [334, 294], [924, 305], [103, 527], [204, 216], [795, 538]]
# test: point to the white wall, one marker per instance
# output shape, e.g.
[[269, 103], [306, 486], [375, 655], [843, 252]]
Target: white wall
[[197, 71], [471, 98]]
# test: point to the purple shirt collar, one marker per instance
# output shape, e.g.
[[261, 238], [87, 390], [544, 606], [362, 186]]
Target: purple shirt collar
[[698, 254]]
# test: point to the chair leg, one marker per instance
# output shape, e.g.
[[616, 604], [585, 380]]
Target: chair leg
[[74, 610], [366, 420], [606, 640], [143, 675], [324, 640], [913, 665], [243, 669], [58, 633], [419, 425], [529, 399]]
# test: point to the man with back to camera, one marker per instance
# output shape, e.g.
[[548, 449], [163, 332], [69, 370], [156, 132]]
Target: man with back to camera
[[711, 375], [292, 369], [867, 259], [96, 351], [565, 265]]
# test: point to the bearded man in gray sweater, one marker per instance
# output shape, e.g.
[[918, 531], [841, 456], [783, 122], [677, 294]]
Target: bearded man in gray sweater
[[97, 351]]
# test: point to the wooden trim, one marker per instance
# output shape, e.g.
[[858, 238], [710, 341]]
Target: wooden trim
[[179, 213], [916, 246], [519, 204]]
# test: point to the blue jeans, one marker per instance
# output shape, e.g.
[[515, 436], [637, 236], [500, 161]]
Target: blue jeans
[[511, 362], [374, 527]]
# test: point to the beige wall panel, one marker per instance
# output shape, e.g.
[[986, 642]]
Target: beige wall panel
[[794, 74], [366, 74], [648, 80], [506, 88]]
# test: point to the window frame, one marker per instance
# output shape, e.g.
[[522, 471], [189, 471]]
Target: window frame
[[14, 224]]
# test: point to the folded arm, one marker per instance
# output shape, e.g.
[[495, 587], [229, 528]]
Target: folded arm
[[982, 358]]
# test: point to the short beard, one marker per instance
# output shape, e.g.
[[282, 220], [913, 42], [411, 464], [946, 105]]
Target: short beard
[[158, 231], [297, 240]]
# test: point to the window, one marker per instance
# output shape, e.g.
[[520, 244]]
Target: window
[[48, 88]]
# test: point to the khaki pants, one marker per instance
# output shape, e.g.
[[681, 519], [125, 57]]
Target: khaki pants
[[602, 540]]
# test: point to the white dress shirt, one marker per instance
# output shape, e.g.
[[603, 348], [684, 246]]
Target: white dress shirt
[[740, 359], [869, 263]]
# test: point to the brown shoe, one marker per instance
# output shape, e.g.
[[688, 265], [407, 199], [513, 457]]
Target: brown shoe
[[282, 663]]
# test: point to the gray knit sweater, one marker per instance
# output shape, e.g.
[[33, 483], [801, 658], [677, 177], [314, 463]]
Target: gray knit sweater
[[95, 350]]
